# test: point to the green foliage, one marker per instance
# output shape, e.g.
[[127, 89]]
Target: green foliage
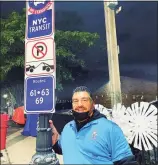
[[69, 45]]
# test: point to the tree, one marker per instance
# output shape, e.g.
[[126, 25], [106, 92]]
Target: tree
[[69, 44]]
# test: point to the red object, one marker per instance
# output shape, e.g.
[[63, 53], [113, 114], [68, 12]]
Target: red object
[[18, 116], [3, 130]]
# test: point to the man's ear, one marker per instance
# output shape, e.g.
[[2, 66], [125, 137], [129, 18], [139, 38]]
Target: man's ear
[[93, 104]]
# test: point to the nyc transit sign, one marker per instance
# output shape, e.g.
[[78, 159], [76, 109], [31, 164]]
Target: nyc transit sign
[[40, 19]]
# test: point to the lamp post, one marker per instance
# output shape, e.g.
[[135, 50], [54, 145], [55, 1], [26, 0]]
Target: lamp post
[[9, 104], [113, 51]]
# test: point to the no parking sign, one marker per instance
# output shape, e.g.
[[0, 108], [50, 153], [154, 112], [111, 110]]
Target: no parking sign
[[39, 50]]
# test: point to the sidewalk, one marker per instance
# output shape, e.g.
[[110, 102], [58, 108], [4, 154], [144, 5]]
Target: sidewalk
[[20, 149]]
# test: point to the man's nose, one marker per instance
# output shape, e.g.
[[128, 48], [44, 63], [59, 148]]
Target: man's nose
[[79, 103]]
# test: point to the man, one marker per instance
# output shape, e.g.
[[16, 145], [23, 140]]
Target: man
[[90, 138]]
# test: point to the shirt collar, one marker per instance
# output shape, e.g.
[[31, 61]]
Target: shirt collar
[[73, 124]]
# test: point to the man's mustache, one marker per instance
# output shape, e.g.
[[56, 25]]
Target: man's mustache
[[80, 107]]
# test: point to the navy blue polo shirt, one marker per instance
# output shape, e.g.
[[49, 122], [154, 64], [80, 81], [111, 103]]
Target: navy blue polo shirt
[[99, 142]]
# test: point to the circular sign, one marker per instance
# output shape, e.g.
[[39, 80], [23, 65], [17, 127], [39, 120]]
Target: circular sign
[[39, 50], [38, 7]]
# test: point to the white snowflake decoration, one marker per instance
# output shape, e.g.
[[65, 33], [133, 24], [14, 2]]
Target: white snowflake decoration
[[119, 117], [103, 110], [143, 120], [138, 123]]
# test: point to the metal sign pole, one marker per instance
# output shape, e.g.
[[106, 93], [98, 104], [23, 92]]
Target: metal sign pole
[[44, 153], [40, 76]]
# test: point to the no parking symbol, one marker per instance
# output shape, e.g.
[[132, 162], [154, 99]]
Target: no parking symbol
[[39, 57], [39, 50]]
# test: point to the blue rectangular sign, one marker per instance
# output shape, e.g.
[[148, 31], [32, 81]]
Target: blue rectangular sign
[[39, 96], [39, 24]]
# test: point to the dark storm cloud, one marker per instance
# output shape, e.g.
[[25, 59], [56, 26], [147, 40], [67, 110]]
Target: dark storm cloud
[[136, 28], [8, 7], [123, 37], [139, 21]]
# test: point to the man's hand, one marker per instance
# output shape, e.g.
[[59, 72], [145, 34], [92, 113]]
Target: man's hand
[[55, 135]]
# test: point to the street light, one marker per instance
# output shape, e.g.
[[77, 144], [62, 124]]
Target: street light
[[5, 96], [112, 4], [118, 9]]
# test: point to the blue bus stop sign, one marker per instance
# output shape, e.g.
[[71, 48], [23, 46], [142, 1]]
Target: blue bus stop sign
[[37, 7], [39, 96]]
